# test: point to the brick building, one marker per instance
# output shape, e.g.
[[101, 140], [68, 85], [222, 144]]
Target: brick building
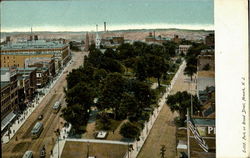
[[15, 54], [9, 96]]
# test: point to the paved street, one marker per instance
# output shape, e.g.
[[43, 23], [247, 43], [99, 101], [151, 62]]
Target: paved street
[[17, 147], [163, 131]]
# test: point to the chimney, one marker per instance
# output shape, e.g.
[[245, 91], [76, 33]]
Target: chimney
[[104, 26]]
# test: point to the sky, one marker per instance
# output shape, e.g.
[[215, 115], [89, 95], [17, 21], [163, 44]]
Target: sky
[[76, 15]]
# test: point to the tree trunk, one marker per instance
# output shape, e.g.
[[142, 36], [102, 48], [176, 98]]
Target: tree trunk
[[159, 84]]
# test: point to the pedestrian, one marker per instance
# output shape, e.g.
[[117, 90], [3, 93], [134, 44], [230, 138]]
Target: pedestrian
[[16, 139]]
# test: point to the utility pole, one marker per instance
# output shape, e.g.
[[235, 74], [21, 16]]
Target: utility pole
[[188, 133], [87, 149]]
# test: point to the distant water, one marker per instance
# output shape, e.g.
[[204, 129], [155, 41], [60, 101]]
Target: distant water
[[76, 15]]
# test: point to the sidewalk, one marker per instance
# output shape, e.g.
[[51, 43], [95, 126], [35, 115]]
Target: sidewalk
[[23, 117], [137, 145]]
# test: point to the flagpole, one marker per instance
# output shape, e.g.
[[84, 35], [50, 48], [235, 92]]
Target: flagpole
[[188, 133]]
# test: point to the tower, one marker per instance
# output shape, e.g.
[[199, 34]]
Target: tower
[[97, 39]]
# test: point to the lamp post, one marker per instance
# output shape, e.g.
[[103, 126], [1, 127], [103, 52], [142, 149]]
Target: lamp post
[[87, 149]]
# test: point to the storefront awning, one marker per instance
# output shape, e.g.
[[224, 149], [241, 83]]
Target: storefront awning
[[7, 120]]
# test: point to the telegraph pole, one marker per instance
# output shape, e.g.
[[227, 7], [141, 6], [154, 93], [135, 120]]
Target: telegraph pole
[[188, 133]]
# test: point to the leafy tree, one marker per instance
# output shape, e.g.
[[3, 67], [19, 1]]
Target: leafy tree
[[144, 95], [190, 70], [104, 121], [157, 66], [77, 116], [180, 101], [95, 57], [111, 93], [74, 77], [110, 53], [170, 47], [129, 104], [125, 51], [130, 130], [141, 69], [80, 94], [111, 65]]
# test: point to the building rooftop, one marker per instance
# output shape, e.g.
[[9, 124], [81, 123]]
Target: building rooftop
[[38, 44], [206, 74], [204, 122]]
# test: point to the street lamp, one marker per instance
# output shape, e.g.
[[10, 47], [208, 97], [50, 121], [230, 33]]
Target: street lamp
[[88, 149]]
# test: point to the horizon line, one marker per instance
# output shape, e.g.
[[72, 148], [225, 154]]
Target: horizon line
[[206, 27]]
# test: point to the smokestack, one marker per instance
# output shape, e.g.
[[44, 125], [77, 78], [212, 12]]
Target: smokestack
[[96, 28], [104, 26]]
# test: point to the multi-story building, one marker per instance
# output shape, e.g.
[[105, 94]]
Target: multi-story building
[[158, 39], [42, 62], [15, 54], [9, 96], [183, 49]]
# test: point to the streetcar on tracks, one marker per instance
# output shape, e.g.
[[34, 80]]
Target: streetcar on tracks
[[28, 154], [37, 130], [56, 107]]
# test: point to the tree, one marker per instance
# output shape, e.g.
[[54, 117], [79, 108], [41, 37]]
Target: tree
[[130, 130], [111, 65], [156, 67], [74, 77], [180, 101], [111, 93], [190, 70], [129, 104], [104, 121], [77, 116], [170, 47]]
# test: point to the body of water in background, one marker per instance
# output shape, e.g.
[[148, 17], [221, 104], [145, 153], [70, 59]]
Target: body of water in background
[[76, 15]]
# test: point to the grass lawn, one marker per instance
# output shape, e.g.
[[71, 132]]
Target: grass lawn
[[100, 150], [113, 126]]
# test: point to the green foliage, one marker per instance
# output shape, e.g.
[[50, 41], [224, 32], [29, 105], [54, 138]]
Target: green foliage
[[104, 122], [130, 130], [77, 115], [111, 92], [151, 66], [180, 101], [170, 47]]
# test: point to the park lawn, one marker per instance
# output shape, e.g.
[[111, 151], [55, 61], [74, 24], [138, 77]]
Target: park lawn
[[100, 150], [114, 124]]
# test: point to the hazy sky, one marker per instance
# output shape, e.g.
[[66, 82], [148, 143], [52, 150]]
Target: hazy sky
[[86, 13]]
